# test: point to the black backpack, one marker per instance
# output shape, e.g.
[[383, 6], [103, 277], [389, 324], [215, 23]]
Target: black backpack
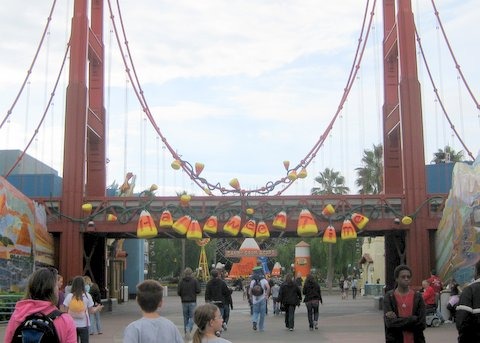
[[37, 328], [257, 288]]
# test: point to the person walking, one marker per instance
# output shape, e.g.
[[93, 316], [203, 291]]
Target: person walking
[[290, 296], [354, 288], [42, 297], [152, 327], [467, 314], [275, 289], [259, 290], [313, 297], [188, 288], [216, 291], [209, 322], [404, 310], [95, 319]]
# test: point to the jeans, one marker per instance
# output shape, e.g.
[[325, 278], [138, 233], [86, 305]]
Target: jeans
[[312, 312], [95, 323], [226, 313], [188, 309], [259, 311], [82, 333]]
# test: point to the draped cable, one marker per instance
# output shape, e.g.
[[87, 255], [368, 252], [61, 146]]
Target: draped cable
[[185, 165]]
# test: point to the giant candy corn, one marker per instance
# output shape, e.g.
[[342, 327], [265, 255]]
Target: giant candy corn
[[146, 226], [199, 168], [306, 224], [348, 230], [232, 227], [248, 230], [194, 231], [280, 220], [330, 236], [262, 230], [211, 225], [166, 220], [182, 224], [328, 210], [359, 220]]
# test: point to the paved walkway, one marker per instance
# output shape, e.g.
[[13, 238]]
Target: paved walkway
[[341, 321]]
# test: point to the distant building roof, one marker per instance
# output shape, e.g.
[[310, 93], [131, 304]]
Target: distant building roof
[[28, 164]]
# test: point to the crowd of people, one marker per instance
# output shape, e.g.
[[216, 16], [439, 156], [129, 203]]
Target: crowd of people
[[75, 311]]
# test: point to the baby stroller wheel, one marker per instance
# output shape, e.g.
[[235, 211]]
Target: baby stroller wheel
[[436, 322]]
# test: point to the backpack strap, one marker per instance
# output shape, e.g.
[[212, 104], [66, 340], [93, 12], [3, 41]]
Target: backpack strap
[[54, 315]]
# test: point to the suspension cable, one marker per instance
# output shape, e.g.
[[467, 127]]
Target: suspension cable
[[29, 72], [52, 95], [185, 165], [440, 102]]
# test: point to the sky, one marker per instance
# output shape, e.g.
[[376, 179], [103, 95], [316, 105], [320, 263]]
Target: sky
[[240, 86]]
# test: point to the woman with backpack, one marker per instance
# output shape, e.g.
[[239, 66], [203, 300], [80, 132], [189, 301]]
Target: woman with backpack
[[41, 299], [79, 304]]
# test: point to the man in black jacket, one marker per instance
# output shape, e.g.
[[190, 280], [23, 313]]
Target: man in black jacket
[[467, 317], [216, 291], [404, 310], [187, 290]]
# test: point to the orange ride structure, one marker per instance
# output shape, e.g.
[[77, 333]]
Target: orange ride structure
[[84, 173]]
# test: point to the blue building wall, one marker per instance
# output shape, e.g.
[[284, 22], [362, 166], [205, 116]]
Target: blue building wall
[[134, 274], [37, 185], [439, 177]]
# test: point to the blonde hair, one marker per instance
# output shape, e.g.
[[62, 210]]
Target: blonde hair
[[202, 316]]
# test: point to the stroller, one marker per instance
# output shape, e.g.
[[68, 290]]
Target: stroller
[[432, 316]]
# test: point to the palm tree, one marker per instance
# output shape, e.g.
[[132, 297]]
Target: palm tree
[[447, 155], [370, 176], [331, 183]]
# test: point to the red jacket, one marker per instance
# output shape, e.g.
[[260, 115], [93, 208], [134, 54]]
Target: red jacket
[[429, 296]]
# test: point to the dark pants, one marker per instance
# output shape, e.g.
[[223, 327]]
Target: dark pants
[[312, 312], [290, 316], [83, 334], [354, 292], [226, 313]]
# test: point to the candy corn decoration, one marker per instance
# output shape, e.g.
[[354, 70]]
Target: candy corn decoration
[[234, 183], [199, 168], [330, 236], [248, 230], [111, 217], [359, 220], [306, 224], [286, 164], [87, 209], [249, 211], [292, 176], [146, 226], [348, 230], [262, 230], [280, 220], [194, 231], [211, 225], [232, 227], [328, 210], [166, 220], [182, 224], [176, 164], [407, 220], [207, 191], [303, 173]]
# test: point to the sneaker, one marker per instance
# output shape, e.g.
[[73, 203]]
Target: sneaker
[[254, 326], [448, 322], [291, 329], [224, 326], [311, 328], [316, 325]]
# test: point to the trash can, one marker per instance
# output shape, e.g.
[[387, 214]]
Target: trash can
[[378, 302]]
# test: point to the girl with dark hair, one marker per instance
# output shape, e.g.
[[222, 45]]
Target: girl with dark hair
[[209, 324], [290, 296], [42, 297]]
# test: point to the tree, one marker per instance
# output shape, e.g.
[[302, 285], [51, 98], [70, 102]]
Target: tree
[[331, 182], [447, 155], [370, 176]]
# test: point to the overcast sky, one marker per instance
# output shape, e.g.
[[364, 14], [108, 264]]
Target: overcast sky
[[240, 86]]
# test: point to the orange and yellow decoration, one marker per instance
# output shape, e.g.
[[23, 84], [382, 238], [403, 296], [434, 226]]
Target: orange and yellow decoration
[[306, 224], [330, 236], [348, 230], [359, 220], [146, 226], [280, 220], [166, 219], [232, 227], [182, 224]]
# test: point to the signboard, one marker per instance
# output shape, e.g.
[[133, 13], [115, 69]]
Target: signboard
[[250, 253]]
